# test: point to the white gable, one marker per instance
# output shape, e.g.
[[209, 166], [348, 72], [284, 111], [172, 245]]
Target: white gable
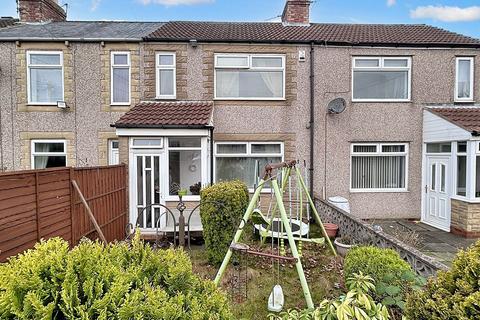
[[437, 129]]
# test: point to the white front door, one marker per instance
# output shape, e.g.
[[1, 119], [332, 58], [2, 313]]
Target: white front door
[[438, 189], [146, 190]]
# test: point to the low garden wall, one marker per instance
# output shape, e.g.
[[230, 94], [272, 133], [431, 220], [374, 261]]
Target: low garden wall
[[365, 233]]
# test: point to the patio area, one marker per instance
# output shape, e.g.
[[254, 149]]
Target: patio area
[[433, 242]]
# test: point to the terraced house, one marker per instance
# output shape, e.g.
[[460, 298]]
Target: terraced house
[[384, 116]]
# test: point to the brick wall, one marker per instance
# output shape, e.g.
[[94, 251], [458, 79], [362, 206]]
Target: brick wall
[[296, 12], [40, 11], [465, 218]]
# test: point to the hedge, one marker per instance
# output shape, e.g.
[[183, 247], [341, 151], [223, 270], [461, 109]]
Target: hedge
[[117, 281], [222, 206], [453, 294]]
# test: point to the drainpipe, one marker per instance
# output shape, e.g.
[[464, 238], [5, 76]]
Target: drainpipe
[[211, 154], [311, 125]]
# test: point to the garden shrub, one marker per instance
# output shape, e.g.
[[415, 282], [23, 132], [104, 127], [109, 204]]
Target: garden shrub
[[222, 207], [453, 294], [117, 281]]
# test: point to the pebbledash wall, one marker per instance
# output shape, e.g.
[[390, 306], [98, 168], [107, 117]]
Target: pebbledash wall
[[86, 124]]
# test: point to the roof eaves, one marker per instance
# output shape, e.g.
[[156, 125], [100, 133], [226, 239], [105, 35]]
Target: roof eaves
[[159, 126]]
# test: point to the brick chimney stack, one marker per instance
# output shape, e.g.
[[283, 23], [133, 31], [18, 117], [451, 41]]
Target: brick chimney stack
[[40, 11], [296, 12]]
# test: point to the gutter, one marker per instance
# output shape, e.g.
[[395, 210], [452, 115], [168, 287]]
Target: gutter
[[311, 124], [54, 39], [156, 126]]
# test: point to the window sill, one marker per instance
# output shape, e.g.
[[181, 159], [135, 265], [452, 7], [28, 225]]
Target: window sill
[[380, 101], [249, 99], [465, 199], [464, 101], [379, 191], [166, 98], [118, 104]]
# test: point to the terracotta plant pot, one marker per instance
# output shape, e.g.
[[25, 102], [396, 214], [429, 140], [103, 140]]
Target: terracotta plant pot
[[331, 229]]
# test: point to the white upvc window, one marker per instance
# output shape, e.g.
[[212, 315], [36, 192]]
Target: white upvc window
[[477, 170], [185, 165], [462, 168], [464, 79], [45, 77], [245, 160], [381, 79], [48, 153], [113, 152], [166, 75], [379, 167], [249, 77], [120, 78]]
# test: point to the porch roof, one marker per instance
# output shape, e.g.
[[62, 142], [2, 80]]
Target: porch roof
[[467, 118], [168, 114]]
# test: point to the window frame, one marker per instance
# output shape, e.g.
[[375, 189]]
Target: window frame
[[112, 150], [44, 66], [159, 67], [457, 155], [249, 67], [121, 66], [381, 60], [247, 154], [160, 146], [379, 152], [475, 173], [33, 153], [472, 77]]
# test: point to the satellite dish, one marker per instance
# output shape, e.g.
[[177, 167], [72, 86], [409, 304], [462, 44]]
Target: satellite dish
[[337, 106]]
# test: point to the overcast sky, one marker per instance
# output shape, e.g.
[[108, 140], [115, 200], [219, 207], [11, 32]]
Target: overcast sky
[[461, 16]]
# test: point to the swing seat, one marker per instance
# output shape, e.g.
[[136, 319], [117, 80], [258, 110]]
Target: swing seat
[[276, 299], [258, 218]]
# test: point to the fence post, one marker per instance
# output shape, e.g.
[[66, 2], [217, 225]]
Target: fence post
[[72, 209], [37, 205]]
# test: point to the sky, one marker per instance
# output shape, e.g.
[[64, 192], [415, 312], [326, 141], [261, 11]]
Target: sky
[[462, 16]]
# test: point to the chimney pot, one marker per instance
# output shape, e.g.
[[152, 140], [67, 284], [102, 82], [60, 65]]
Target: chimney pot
[[41, 11], [296, 12]]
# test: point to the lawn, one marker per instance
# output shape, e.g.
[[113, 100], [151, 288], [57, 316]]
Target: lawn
[[323, 272]]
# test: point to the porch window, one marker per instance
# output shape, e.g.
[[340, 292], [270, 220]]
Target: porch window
[[120, 77], [477, 172], [44, 77], [379, 166], [185, 165], [381, 78], [462, 168], [48, 154], [249, 76], [464, 79], [244, 160], [166, 78], [443, 147]]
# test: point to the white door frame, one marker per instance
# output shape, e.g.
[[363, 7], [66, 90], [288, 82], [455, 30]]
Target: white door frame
[[449, 187]]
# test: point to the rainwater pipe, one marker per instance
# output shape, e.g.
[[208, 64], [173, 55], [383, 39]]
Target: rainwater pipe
[[311, 124]]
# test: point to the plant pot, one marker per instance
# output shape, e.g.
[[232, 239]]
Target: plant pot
[[342, 248], [331, 229]]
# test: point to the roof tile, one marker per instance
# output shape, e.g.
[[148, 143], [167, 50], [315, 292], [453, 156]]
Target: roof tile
[[464, 117]]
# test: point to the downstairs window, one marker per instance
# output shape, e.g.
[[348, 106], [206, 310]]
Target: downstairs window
[[48, 154]]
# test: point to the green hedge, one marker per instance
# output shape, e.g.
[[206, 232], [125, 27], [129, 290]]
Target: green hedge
[[453, 294], [220, 221], [118, 281]]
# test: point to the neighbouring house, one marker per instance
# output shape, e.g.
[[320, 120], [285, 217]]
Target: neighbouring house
[[188, 103]]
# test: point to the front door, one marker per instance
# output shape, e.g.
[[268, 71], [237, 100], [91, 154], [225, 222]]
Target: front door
[[438, 189], [146, 190]]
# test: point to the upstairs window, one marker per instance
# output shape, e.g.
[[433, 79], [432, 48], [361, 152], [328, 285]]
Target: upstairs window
[[381, 78], [249, 77], [464, 79], [45, 77], [166, 78], [120, 62], [48, 154]]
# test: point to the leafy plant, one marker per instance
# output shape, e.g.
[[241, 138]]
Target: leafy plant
[[453, 294], [222, 207], [355, 304], [118, 281]]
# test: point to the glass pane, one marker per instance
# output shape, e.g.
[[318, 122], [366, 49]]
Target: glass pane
[[433, 177], [147, 142], [380, 84], [462, 147], [232, 61], [377, 172], [241, 168], [439, 147], [45, 59], [120, 59], [389, 63], [46, 85], [165, 60], [185, 167], [367, 63], [165, 79], [267, 62], [477, 178], [462, 175], [148, 195], [249, 84], [121, 85], [464, 70], [42, 162], [49, 147], [266, 148], [231, 148], [442, 178], [114, 144], [364, 148], [139, 180], [156, 178], [393, 148], [183, 142]]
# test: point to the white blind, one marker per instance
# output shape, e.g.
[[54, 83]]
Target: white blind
[[378, 172]]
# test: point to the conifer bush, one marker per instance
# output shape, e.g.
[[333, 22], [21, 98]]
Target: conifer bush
[[117, 281], [222, 207]]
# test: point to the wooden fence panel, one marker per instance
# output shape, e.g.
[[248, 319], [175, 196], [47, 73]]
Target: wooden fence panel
[[38, 204]]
